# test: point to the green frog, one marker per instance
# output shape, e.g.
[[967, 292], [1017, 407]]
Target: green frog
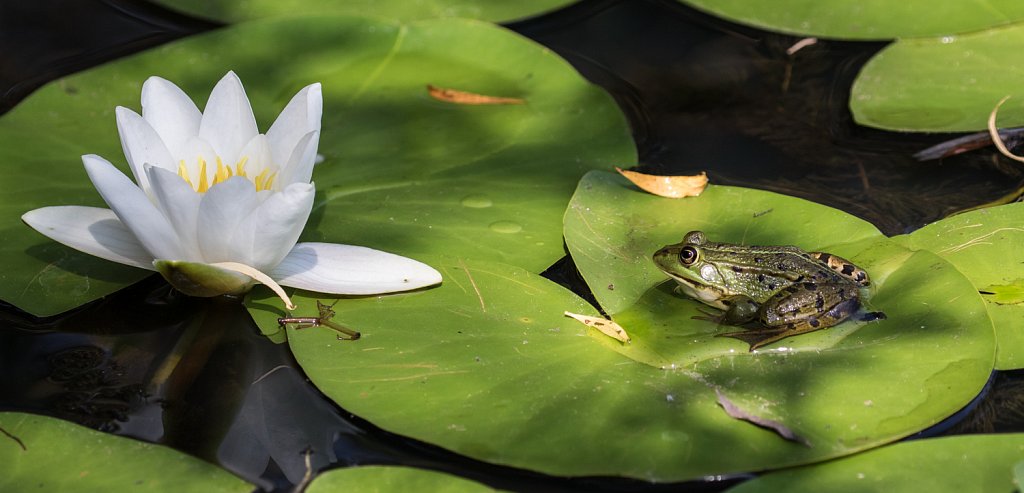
[[788, 291]]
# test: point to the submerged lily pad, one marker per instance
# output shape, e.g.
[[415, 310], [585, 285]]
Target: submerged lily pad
[[867, 19], [38, 453], [382, 479], [986, 246], [403, 172], [486, 365], [950, 464], [943, 84], [491, 10]]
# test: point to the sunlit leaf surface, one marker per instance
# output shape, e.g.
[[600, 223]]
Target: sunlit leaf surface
[[986, 246], [943, 84], [491, 10], [38, 453], [403, 172], [951, 464], [486, 365], [612, 229], [867, 19]]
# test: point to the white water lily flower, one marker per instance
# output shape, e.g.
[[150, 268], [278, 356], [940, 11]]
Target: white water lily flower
[[217, 206]]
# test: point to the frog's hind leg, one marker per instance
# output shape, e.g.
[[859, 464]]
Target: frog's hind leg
[[785, 321], [763, 337], [843, 266]]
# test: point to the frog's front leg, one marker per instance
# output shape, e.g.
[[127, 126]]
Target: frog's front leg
[[738, 310]]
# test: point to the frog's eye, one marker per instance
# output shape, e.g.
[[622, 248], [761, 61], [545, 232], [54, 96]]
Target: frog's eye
[[688, 255]]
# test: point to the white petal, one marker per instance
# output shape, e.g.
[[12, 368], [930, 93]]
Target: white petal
[[278, 222], [221, 211], [228, 122], [301, 116], [346, 269], [170, 112], [180, 204], [257, 156], [133, 208], [91, 230], [141, 145], [191, 152], [300, 165]]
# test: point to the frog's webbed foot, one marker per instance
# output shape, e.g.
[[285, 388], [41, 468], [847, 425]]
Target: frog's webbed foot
[[872, 316], [763, 337]]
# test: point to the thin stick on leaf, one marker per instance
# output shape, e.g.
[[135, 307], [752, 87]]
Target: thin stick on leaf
[[994, 133], [324, 320]]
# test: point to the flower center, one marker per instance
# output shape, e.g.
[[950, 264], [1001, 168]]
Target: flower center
[[263, 181]]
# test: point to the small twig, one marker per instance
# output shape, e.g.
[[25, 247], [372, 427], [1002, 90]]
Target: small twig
[[16, 439], [306, 478], [324, 320], [483, 307], [994, 133], [799, 45]]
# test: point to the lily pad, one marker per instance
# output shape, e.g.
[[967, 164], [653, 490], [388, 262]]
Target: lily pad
[[490, 10], [943, 84], [402, 173], [38, 453], [382, 479], [486, 365], [612, 229], [986, 246], [953, 464], [867, 19]]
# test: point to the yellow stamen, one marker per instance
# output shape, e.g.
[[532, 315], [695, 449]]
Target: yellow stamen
[[262, 181], [259, 179], [240, 166], [203, 183], [183, 172], [223, 172]]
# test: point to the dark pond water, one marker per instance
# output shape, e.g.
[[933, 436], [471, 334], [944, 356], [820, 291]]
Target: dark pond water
[[700, 94]]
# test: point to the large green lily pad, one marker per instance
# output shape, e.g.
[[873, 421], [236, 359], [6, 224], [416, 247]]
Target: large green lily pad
[[383, 479], [986, 246], [951, 464], [612, 230], [867, 19], [943, 84], [403, 172], [38, 453], [487, 366], [491, 10]]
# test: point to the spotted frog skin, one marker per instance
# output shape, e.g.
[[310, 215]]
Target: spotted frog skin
[[786, 290]]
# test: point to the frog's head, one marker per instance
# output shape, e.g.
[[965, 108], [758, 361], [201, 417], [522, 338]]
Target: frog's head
[[688, 264]]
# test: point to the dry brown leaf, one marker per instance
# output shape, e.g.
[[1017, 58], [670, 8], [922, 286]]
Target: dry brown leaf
[[607, 327], [673, 187], [463, 97]]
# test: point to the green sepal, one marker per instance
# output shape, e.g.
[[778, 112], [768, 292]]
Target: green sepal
[[204, 280]]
